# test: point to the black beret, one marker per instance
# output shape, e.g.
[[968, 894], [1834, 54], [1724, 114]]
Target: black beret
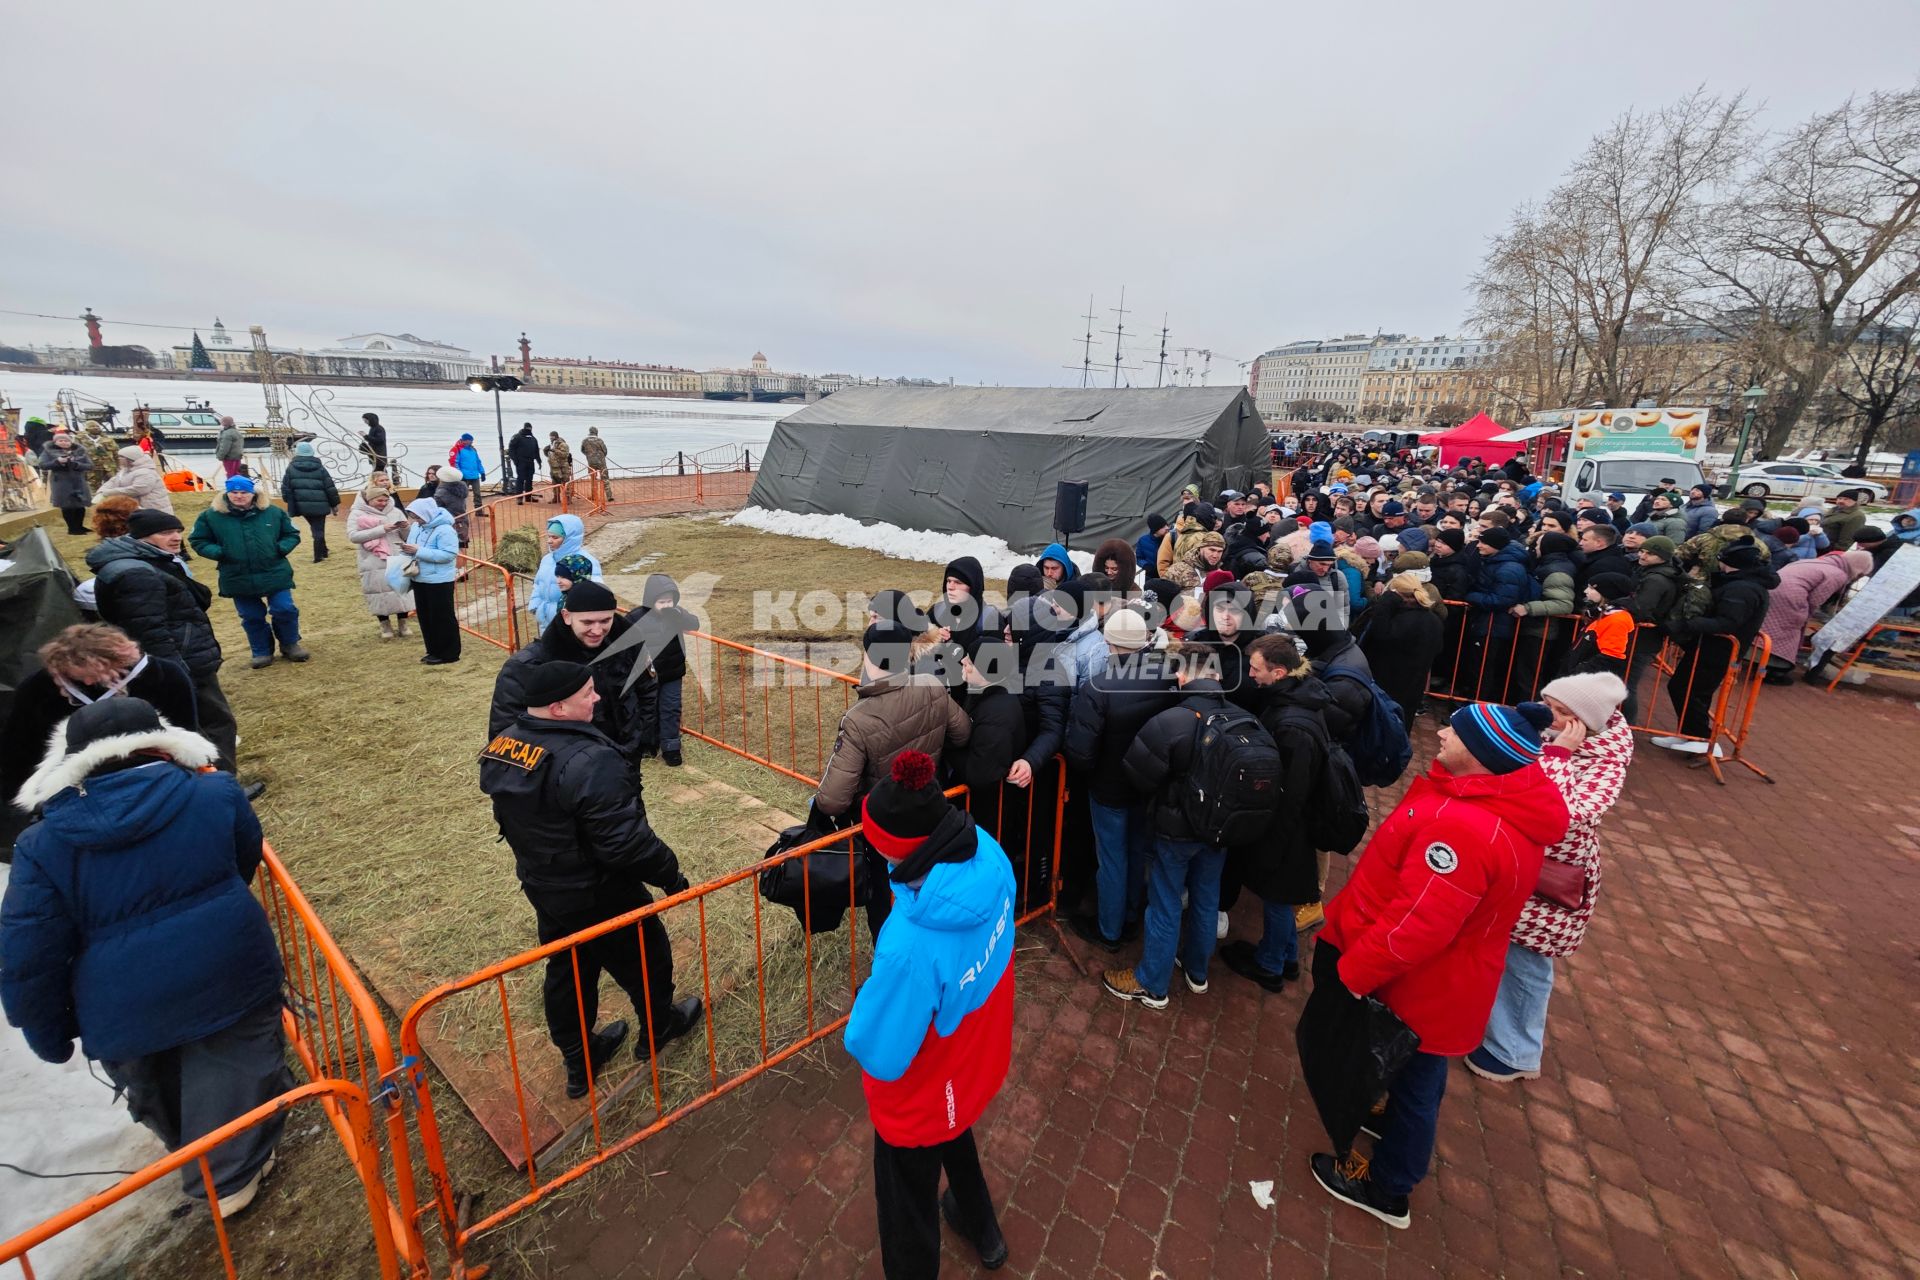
[[551, 682], [590, 597]]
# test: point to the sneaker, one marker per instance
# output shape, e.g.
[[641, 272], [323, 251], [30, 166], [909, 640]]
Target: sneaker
[[295, 652], [1239, 957], [672, 759], [1198, 988], [1088, 928], [989, 1243], [1375, 1122], [682, 1017], [235, 1202], [601, 1046], [1220, 927], [1347, 1181], [1668, 741], [1311, 916], [1122, 983], [1692, 748], [262, 660], [1483, 1064]]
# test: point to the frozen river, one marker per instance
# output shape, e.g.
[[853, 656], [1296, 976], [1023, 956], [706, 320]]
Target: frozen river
[[639, 430]]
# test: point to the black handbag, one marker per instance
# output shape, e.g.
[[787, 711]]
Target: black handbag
[[815, 886], [1350, 1050]]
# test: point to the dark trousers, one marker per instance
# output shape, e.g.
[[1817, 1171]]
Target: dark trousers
[[616, 954], [317, 524], [1691, 690], [216, 720], [1405, 1150], [439, 625], [523, 478], [906, 1190], [76, 519], [190, 1090]]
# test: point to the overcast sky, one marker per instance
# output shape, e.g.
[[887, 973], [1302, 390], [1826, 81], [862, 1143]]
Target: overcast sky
[[880, 189]]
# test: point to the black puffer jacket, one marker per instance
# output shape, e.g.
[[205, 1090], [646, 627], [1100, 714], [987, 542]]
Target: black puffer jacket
[[1157, 763], [1739, 607], [568, 803], [1401, 640], [626, 716], [1654, 591], [1352, 702], [1108, 713], [146, 593], [39, 706], [307, 489], [1283, 868], [661, 596], [1453, 575], [524, 449], [999, 736]]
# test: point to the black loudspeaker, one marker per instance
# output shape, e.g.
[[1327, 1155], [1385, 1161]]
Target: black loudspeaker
[[1070, 506]]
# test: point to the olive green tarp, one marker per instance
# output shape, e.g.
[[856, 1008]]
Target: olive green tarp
[[986, 460]]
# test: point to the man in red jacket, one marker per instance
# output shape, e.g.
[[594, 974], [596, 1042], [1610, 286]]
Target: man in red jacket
[[1423, 922]]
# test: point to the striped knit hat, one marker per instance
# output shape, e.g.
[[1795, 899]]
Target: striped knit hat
[[1502, 738]]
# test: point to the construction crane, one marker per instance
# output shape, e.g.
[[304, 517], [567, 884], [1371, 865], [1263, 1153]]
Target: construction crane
[[1207, 358]]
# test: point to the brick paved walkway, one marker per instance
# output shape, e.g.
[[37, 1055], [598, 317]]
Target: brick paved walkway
[[1730, 1084]]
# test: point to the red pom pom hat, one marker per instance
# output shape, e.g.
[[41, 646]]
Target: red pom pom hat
[[903, 810]]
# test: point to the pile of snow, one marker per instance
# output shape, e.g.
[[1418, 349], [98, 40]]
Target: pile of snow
[[996, 559], [58, 1119]]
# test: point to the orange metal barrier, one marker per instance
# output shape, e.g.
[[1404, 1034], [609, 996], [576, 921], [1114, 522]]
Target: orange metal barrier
[[341, 1099], [720, 1062], [591, 494], [484, 601], [734, 701], [1515, 668], [336, 1029]]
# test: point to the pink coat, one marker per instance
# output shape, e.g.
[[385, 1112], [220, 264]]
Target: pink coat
[[1589, 779], [1805, 585]]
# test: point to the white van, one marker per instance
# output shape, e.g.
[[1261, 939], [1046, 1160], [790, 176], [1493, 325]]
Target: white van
[[1634, 474]]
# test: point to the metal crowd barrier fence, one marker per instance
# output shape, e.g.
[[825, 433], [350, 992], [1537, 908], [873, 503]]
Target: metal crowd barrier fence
[[739, 1038], [670, 485], [484, 602], [345, 1101], [1479, 663], [774, 710], [336, 1031]]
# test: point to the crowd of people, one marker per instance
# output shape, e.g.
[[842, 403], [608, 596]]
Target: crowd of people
[[1223, 691]]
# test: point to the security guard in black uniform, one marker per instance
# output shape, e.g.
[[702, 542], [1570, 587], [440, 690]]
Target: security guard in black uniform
[[568, 803], [591, 629]]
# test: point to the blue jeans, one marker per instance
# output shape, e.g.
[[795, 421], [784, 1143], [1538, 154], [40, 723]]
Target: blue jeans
[[1279, 940], [1517, 1029], [253, 611], [669, 715], [1405, 1150], [1178, 864], [1122, 840]]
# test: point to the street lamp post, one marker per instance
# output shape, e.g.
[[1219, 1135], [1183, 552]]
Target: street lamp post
[[496, 383], [1753, 395]]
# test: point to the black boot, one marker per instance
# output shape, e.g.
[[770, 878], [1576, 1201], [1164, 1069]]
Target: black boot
[[603, 1044], [682, 1017], [989, 1243]]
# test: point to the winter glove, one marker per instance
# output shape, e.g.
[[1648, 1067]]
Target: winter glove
[[49, 1048], [680, 885]]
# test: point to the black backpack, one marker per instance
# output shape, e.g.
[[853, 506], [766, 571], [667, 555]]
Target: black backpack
[[1334, 814], [1379, 748], [1233, 785]]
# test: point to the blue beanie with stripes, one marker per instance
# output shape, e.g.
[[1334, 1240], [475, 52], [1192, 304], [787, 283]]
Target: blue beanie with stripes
[[1502, 738]]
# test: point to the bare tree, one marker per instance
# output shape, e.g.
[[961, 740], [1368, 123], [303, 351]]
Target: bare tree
[[1575, 287], [1817, 246], [1881, 380]]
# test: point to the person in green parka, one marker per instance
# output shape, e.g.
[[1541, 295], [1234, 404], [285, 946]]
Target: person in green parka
[[251, 541]]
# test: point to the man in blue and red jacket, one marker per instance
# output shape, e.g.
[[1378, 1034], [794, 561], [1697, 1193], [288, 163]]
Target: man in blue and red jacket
[[1422, 925], [932, 1026]]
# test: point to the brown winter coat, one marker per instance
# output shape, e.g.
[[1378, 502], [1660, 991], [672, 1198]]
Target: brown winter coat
[[559, 462], [889, 715]]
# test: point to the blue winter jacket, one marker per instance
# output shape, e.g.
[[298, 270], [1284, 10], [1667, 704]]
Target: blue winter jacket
[[1084, 655], [1054, 551], [467, 458], [1356, 586], [127, 920], [1146, 554], [438, 542], [546, 598], [1502, 582]]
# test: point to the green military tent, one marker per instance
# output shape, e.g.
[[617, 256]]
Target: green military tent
[[985, 460]]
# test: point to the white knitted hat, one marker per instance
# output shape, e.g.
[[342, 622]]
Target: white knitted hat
[[1593, 696]]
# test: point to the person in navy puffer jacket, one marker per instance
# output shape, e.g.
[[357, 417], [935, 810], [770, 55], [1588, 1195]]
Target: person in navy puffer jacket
[[932, 1026], [128, 924]]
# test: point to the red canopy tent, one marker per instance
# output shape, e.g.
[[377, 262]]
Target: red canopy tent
[[1474, 438]]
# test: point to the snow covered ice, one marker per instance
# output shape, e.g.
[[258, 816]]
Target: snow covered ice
[[996, 559]]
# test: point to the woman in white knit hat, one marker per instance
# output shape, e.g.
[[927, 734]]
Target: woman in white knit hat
[[1587, 759]]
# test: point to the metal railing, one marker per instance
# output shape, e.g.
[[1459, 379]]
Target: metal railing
[[485, 602]]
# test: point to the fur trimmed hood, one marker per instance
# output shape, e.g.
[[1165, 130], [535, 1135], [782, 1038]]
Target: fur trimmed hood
[[59, 770]]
